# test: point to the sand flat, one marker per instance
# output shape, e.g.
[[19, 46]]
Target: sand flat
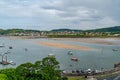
[[65, 46]]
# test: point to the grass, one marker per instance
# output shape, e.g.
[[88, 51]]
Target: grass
[[76, 78]]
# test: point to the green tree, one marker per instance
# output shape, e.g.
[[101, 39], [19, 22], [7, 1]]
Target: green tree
[[47, 69], [3, 77], [10, 73], [25, 70], [50, 68]]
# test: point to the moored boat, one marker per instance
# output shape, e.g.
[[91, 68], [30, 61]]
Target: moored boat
[[74, 59]]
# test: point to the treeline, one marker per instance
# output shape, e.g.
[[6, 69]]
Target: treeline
[[12, 31], [46, 69], [58, 33]]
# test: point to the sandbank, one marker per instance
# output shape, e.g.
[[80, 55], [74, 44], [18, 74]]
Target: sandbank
[[64, 46]]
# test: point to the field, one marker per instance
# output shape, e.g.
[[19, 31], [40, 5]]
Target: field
[[76, 78]]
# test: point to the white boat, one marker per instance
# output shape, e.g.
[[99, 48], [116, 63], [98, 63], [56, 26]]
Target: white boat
[[70, 53], [12, 63], [51, 55]]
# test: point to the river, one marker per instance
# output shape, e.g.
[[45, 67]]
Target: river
[[25, 50]]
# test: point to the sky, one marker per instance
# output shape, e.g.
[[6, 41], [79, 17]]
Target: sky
[[56, 14]]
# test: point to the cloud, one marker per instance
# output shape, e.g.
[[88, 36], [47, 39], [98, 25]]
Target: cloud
[[60, 13]]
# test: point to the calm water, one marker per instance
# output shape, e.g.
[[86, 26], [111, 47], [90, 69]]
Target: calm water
[[102, 57]]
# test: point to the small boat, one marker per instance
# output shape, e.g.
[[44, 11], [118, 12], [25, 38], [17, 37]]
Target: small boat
[[51, 55], [74, 59], [1, 46], [89, 70], [10, 47], [114, 49], [4, 62], [26, 49], [12, 63], [70, 53]]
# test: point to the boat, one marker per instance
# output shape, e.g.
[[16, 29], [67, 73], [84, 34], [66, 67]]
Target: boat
[[26, 49], [10, 47], [74, 59], [51, 55], [4, 62], [70, 53], [89, 71], [1, 46], [12, 63], [114, 49], [117, 65]]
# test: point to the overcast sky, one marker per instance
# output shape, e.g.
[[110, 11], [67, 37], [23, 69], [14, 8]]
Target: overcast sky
[[55, 14]]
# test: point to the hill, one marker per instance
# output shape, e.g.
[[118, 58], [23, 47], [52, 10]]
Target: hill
[[61, 30], [109, 29]]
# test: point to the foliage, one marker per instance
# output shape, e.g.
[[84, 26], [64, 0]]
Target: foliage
[[64, 78], [3, 77], [25, 70], [14, 31], [50, 68], [46, 69], [10, 73], [103, 32]]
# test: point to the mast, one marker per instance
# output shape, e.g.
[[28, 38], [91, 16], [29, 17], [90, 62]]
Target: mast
[[6, 58]]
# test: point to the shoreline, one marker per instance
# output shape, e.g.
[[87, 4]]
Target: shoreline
[[106, 41]]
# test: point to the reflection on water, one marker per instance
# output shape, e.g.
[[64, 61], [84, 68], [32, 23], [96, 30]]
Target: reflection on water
[[24, 50]]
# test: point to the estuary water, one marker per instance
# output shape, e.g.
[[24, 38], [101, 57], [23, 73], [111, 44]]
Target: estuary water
[[25, 50]]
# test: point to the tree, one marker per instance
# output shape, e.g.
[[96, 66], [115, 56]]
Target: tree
[[3, 77], [10, 73], [47, 69], [50, 68], [64, 78], [25, 70]]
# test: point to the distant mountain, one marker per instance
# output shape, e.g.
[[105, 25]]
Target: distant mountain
[[109, 29], [61, 30]]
